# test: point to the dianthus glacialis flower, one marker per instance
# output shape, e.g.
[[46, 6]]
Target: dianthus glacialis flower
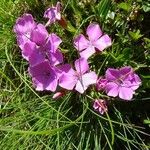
[[81, 79], [96, 41], [36, 43], [39, 35], [58, 94], [53, 13], [101, 83], [44, 76], [23, 28], [27, 30], [100, 106], [36, 54], [122, 82]]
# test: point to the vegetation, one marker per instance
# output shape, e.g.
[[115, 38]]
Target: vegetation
[[33, 120]]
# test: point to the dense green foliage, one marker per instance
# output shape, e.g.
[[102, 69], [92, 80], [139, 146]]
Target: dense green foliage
[[33, 120]]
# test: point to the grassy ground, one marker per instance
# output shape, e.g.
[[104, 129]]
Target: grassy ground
[[32, 120]]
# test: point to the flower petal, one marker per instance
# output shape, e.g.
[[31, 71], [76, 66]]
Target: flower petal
[[80, 42], [126, 70], [67, 81], [44, 76], [87, 52], [112, 74], [53, 13], [28, 49], [80, 87], [86, 80], [39, 34], [36, 57], [89, 78], [24, 24], [39, 69], [126, 93], [56, 58], [50, 14], [52, 85], [22, 40], [136, 81], [53, 42], [112, 89], [37, 84], [93, 32], [103, 42], [96, 104], [81, 65]]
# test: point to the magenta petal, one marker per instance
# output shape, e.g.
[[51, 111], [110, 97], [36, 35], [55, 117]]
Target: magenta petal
[[52, 85], [65, 68], [44, 76], [22, 40], [36, 57], [94, 32], [136, 81], [56, 58], [38, 84], [40, 69], [28, 49], [80, 42], [67, 81], [133, 81], [89, 78], [80, 87], [112, 74], [103, 42], [125, 93], [112, 89], [126, 72], [85, 81], [96, 104], [53, 42], [24, 24], [53, 13], [101, 83], [58, 14], [87, 52], [41, 83], [100, 105], [39, 34], [81, 65]]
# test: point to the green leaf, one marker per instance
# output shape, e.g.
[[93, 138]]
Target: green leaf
[[124, 6], [103, 8], [135, 35], [146, 121], [146, 6]]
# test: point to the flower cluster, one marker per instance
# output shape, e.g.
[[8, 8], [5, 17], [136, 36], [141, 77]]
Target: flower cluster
[[119, 82], [48, 70]]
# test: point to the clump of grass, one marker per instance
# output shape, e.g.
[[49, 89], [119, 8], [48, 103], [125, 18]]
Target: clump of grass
[[32, 120]]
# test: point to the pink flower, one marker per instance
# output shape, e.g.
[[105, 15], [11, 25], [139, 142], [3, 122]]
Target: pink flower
[[80, 79], [23, 28], [53, 14], [122, 82], [36, 54], [53, 42], [58, 95], [39, 35], [44, 76], [101, 84], [97, 41], [24, 25], [100, 106]]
